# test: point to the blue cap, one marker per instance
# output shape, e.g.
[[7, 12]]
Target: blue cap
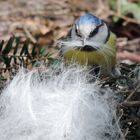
[[90, 19]]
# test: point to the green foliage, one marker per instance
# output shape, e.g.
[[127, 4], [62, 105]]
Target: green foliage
[[113, 4], [2, 81], [129, 7], [12, 53], [17, 53], [126, 8]]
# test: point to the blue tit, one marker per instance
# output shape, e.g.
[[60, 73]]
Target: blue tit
[[90, 42]]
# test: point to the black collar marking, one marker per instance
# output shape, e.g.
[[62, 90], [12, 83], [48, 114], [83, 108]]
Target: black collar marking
[[87, 48], [108, 34]]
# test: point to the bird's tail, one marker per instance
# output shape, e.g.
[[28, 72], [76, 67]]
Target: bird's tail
[[56, 104]]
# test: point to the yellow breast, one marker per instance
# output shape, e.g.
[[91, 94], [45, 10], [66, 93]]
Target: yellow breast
[[105, 56]]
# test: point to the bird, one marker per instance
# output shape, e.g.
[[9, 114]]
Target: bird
[[91, 43]]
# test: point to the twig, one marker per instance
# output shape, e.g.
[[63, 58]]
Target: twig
[[29, 35], [123, 43], [131, 103], [117, 124], [134, 119], [126, 132], [118, 7], [132, 93], [127, 55], [127, 19]]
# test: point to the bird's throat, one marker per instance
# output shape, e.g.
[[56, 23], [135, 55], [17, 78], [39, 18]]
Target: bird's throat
[[87, 48]]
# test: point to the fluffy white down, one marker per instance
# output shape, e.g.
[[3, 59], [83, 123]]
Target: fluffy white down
[[51, 105]]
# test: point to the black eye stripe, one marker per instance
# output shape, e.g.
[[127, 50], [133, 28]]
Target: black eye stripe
[[76, 30], [77, 33], [95, 31]]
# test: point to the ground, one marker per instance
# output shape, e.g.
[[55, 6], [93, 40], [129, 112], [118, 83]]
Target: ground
[[43, 22]]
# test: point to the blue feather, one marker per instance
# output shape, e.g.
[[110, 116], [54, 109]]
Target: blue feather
[[89, 19]]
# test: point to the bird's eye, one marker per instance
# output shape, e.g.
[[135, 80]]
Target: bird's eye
[[77, 33], [95, 31]]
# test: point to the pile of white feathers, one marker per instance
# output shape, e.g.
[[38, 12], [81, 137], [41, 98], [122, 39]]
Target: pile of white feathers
[[59, 103]]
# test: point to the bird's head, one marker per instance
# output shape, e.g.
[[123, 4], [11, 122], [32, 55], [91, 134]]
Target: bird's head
[[90, 30], [87, 26], [88, 33]]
